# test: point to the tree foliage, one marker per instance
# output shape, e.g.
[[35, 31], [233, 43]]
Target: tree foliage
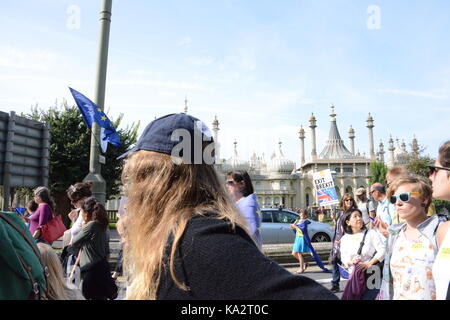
[[70, 148], [378, 172]]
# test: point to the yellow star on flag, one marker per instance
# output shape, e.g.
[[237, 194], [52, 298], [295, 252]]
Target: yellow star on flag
[[103, 118], [99, 109]]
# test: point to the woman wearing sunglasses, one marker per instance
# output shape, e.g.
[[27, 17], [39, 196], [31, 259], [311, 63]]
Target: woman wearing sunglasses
[[411, 245], [347, 203], [240, 187], [440, 177]]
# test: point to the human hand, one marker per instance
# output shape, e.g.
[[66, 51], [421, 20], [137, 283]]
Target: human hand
[[364, 265], [356, 260], [381, 226], [73, 215]]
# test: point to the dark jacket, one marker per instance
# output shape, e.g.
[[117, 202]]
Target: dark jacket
[[218, 263]]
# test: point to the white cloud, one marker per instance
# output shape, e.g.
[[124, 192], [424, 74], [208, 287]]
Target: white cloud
[[414, 93], [185, 41], [32, 60], [200, 61]]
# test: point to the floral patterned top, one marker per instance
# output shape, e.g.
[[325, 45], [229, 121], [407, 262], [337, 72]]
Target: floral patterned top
[[411, 266]]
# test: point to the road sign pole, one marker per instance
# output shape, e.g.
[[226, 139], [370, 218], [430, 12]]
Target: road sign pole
[[99, 184]]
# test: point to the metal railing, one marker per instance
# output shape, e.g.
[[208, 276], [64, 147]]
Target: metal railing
[[112, 215]]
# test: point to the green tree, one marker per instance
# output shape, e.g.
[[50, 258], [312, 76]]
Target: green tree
[[417, 163], [69, 151], [378, 172]]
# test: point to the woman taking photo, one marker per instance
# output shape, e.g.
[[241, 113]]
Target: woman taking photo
[[361, 248], [185, 237], [411, 246], [93, 242], [43, 213], [347, 203], [77, 193], [240, 187], [440, 177]]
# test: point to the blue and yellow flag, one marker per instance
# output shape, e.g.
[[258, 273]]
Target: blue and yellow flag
[[92, 113]]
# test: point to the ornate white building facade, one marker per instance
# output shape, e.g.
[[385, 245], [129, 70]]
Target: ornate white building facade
[[277, 181]]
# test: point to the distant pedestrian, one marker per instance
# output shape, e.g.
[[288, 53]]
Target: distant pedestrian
[[300, 245], [240, 187], [76, 193], [43, 213], [411, 245], [30, 209], [347, 203], [385, 209], [93, 241], [366, 206], [185, 237], [440, 177]]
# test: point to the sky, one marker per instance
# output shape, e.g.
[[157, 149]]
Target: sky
[[261, 66]]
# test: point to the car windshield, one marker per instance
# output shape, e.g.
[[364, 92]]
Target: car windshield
[[284, 217]]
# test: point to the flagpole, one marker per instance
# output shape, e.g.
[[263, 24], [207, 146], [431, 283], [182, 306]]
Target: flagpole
[[94, 176]]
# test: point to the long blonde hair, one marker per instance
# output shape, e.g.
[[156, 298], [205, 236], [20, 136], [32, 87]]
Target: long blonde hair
[[56, 286], [162, 198]]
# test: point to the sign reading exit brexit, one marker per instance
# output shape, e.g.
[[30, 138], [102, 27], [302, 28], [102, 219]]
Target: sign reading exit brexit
[[325, 191]]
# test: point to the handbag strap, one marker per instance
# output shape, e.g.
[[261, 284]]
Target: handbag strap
[[362, 243]]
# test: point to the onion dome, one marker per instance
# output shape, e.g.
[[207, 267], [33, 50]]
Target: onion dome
[[235, 163], [279, 163]]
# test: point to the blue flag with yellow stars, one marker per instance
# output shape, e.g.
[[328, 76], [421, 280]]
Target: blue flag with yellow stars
[[92, 113]]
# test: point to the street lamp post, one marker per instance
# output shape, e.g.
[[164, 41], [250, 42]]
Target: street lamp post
[[95, 176]]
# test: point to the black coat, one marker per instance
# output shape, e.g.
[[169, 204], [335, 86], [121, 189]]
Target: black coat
[[218, 263]]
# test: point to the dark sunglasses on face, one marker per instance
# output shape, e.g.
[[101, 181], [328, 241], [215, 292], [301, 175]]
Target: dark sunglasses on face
[[434, 169], [404, 196]]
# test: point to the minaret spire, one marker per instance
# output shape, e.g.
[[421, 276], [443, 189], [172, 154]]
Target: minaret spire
[[185, 104]]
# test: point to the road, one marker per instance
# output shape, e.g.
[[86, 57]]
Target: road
[[315, 273]]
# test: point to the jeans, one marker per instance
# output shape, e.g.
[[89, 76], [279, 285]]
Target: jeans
[[336, 274]]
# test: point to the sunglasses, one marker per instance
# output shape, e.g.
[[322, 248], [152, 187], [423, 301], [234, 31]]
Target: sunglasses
[[434, 169], [348, 200], [404, 196]]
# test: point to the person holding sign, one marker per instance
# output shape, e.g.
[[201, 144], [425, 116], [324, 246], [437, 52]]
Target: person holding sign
[[300, 245], [411, 245]]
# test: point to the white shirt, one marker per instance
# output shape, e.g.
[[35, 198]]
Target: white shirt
[[441, 268], [76, 228], [385, 211], [374, 247]]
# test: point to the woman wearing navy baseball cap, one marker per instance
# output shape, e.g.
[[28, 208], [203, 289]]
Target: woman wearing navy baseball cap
[[185, 237]]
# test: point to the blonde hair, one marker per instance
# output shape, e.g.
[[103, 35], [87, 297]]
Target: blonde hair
[[162, 198], [56, 286], [421, 185]]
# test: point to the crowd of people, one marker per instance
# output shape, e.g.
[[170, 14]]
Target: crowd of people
[[186, 234]]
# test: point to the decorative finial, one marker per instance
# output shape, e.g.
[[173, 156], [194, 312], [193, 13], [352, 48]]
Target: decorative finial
[[333, 114], [185, 105]]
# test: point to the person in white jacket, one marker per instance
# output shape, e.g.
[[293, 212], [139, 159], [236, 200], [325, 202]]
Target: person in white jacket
[[373, 249]]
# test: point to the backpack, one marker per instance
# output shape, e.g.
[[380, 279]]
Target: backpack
[[23, 275]]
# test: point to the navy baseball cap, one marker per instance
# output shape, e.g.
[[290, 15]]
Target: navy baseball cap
[[172, 131]]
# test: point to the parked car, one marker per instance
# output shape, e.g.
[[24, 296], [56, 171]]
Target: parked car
[[275, 227]]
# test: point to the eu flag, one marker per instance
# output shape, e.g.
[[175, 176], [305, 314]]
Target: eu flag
[[92, 113]]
